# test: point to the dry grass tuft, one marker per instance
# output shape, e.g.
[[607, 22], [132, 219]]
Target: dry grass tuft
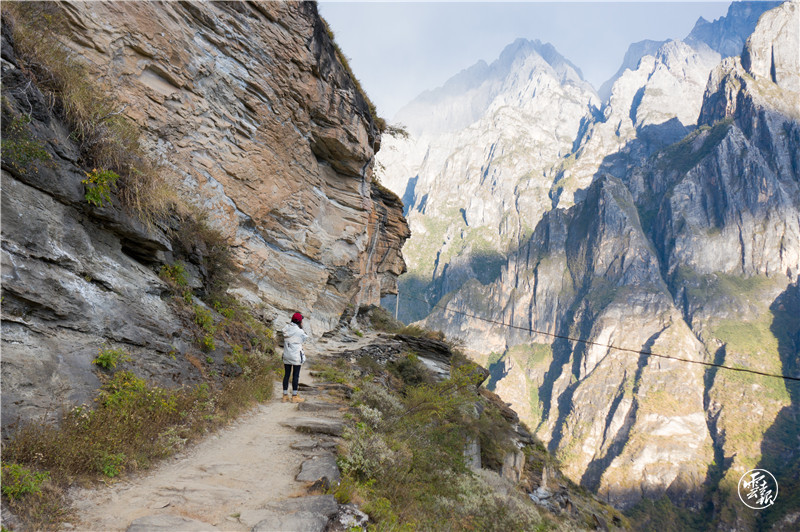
[[108, 140], [132, 425]]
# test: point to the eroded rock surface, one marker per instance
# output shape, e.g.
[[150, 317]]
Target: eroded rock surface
[[248, 106]]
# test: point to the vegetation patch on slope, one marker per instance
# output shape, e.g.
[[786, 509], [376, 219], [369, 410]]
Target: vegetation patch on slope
[[685, 154], [108, 141], [662, 514], [405, 458], [131, 425]]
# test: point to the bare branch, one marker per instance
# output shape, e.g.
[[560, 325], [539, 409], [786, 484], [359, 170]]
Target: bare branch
[[113, 113]]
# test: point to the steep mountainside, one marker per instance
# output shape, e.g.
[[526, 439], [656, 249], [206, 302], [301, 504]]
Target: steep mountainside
[[727, 35], [289, 178], [654, 99], [482, 166], [248, 105], [633, 55], [677, 232], [493, 149], [653, 105]]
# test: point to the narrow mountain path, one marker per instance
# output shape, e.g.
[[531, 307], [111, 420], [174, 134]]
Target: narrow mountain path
[[251, 475]]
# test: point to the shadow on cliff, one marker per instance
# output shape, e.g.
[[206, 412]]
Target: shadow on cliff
[[485, 266], [649, 140], [419, 295], [594, 471], [780, 447]]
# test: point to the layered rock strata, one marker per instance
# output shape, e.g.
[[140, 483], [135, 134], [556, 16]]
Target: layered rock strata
[[248, 104]]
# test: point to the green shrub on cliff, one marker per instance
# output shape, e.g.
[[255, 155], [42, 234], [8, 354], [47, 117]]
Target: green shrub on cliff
[[194, 238], [20, 149], [174, 274], [19, 481], [411, 370], [108, 358], [98, 186], [32, 496]]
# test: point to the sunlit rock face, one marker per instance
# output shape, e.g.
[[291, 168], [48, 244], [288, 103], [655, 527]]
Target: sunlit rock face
[[476, 169], [671, 226], [248, 106]]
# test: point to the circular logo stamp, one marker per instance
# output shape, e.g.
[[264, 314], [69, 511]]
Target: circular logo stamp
[[758, 489]]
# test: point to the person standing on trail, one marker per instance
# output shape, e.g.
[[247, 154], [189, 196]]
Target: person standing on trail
[[293, 356]]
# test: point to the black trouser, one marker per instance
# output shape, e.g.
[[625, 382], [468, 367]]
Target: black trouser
[[287, 370]]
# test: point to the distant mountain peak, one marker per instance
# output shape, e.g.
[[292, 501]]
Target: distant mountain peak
[[632, 57], [727, 34], [525, 47], [463, 98]]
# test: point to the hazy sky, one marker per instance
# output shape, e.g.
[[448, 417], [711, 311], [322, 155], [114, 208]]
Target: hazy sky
[[399, 49]]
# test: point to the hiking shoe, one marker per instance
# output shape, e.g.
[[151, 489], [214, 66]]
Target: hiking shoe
[[297, 399], [285, 398]]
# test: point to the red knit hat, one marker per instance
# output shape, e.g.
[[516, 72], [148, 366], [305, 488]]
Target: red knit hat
[[297, 317]]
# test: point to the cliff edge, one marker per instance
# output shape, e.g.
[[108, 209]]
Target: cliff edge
[[248, 110]]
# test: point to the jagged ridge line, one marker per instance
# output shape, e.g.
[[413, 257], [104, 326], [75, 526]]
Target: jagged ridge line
[[589, 342]]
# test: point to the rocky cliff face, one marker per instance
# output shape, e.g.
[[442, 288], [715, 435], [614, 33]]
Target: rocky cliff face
[[653, 100], [676, 233], [651, 106], [483, 165], [592, 274], [728, 34], [249, 106]]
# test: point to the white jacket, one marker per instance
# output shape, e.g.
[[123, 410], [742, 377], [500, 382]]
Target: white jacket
[[293, 338]]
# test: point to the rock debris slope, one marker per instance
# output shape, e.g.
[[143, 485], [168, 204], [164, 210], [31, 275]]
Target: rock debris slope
[[674, 229], [249, 107]]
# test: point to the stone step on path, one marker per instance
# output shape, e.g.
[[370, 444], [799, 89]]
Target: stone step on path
[[168, 523], [254, 475], [321, 407], [301, 514], [320, 467], [315, 425]]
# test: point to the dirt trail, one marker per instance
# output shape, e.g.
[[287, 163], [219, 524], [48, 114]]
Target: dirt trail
[[224, 480]]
